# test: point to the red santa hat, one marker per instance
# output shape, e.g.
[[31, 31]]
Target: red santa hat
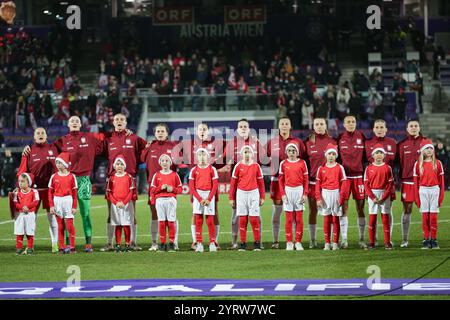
[[294, 145], [120, 158], [204, 150], [63, 157], [331, 148], [164, 155], [426, 143], [378, 147], [30, 178], [247, 147]]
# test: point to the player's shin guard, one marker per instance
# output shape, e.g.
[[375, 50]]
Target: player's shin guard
[[119, 235], [162, 232], [19, 241], [433, 225], [172, 231], [217, 231], [406, 220], [372, 228], [154, 230], [127, 231], [175, 239], [327, 228], [336, 229], [198, 228], [211, 229], [298, 226], [53, 227], [387, 228], [288, 225], [110, 233], [343, 221], [391, 221], [243, 221], [71, 230], [256, 228], [276, 217], [193, 233], [234, 227], [86, 218], [361, 227]]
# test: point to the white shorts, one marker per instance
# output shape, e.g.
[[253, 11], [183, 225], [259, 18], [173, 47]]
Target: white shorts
[[429, 199], [63, 206], [122, 217], [247, 203], [294, 196], [330, 199], [197, 208], [166, 208], [25, 223], [385, 207]]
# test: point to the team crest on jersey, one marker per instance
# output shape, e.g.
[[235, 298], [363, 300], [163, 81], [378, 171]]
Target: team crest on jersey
[[389, 147], [83, 140], [128, 141], [50, 152], [358, 141]]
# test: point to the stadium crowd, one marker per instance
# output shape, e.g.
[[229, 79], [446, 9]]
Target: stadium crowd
[[39, 86]]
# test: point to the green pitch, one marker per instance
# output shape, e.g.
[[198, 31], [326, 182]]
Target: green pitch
[[267, 264]]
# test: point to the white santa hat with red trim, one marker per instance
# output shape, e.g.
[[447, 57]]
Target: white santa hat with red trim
[[294, 145], [164, 155], [247, 147], [426, 143], [120, 158], [331, 148], [378, 147], [64, 157], [204, 150], [30, 178]]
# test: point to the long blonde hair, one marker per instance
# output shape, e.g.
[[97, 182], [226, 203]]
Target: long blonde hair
[[422, 159]]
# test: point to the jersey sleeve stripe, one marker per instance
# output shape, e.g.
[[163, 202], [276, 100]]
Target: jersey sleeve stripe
[[215, 174]]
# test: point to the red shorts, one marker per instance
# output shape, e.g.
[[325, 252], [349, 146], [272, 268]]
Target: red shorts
[[43, 195], [408, 192], [312, 191], [275, 193], [354, 186]]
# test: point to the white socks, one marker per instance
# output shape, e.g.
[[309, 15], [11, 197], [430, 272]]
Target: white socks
[[234, 227], [362, 227], [53, 227], [312, 232], [392, 222], [194, 238], [343, 221], [110, 233], [133, 236], [154, 231], [276, 214], [176, 234], [217, 232], [406, 219]]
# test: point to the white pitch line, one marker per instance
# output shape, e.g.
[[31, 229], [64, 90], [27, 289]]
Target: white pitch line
[[222, 232], [92, 208]]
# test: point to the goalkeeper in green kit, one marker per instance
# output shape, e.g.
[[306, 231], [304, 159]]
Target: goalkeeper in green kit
[[82, 148]]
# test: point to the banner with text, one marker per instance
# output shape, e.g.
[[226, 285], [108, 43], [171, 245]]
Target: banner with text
[[170, 16]]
